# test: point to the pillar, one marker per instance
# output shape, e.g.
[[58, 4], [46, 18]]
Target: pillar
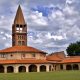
[[47, 68], [64, 66], [16, 69], [72, 66], [79, 66], [5, 69], [27, 68], [38, 68]]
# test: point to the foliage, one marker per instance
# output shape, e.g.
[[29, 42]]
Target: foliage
[[73, 49]]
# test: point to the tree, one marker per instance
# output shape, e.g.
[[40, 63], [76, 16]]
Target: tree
[[73, 49]]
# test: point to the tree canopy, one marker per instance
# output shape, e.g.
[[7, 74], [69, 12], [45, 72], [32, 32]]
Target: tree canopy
[[73, 49]]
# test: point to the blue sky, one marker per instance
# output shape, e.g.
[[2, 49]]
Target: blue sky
[[52, 24]]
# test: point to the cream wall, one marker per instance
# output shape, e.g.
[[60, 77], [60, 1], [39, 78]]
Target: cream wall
[[22, 56]]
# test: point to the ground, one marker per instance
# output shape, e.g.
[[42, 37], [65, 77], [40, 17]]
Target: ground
[[57, 75]]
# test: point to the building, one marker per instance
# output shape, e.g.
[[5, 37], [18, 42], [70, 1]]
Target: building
[[23, 58]]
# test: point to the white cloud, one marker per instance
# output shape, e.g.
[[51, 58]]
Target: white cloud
[[7, 45], [4, 38], [69, 1], [1, 32], [8, 36], [62, 23], [38, 19], [55, 37]]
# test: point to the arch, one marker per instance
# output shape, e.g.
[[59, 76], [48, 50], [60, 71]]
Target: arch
[[42, 68], [1, 69], [22, 69], [68, 67], [10, 69], [32, 68], [61, 67], [50, 68], [75, 67]]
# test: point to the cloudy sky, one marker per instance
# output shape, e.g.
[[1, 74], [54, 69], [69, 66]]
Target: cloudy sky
[[52, 24]]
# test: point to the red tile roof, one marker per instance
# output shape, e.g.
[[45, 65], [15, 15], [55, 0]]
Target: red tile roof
[[23, 61], [21, 49], [58, 56], [75, 59]]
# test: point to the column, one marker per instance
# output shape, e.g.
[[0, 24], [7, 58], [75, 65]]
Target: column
[[72, 67], [27, 68], [5, 69], [16, 69], [47, 68], [79, 66], [64, 66], [38, 68], [57, 67]]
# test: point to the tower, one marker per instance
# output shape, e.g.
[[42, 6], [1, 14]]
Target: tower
[[19, 29]]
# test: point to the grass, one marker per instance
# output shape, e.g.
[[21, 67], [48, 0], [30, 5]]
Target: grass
[[56, 75]]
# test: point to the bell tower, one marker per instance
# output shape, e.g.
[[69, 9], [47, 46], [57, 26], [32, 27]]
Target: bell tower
[[19, 29]]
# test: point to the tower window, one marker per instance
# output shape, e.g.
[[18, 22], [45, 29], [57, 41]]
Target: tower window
[[19, 37], [19, 42], [17, 25], [25, 25], [23, 43], [20, 25], [22, 37], [20, 29], [17, 28]]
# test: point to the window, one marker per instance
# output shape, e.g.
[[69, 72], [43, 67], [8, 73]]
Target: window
[[21, 25], [11, 55], [23, 55], [23, 43], [19, 42], [25, 25], [22, 37], [17, 25], [3, 55], [19, 37], [17, 28], [33, 55], [20, 29], [61, 66]]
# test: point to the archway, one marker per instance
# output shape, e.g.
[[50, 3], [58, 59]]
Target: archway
[[61, 67], [1, 69], [32, 68], [50, 68], [68, 67], [75, 67], [22, 69], [43, 68], [10, 69]]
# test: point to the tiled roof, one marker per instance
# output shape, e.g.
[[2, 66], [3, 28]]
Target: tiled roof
[[53, 58], [21, 49], [75, 59], [58, 56], [23, 61]]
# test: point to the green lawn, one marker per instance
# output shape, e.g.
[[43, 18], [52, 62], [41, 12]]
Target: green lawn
[[56, 75]]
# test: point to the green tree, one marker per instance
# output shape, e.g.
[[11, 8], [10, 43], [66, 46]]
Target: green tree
[[73, 49]]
